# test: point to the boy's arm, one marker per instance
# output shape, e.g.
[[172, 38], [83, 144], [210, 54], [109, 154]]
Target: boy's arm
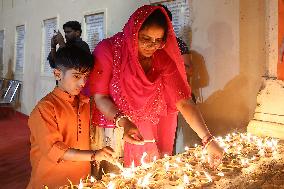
[[43, 126], [105, 153], [45, 134]]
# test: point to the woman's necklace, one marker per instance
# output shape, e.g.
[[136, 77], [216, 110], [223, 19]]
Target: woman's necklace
[[146, 63]]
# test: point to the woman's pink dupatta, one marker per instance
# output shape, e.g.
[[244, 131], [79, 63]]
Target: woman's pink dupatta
[[136, 89]]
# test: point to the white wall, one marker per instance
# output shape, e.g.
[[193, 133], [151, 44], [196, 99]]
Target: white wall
[[228, 49]]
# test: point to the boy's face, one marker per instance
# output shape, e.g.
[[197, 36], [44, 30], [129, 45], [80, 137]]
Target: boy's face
[[71, 81]]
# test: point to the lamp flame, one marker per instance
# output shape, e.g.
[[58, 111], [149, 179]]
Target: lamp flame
[[92, 179], [111, 185], [185, 179], [208, 176], [81, 184], [221, 174]]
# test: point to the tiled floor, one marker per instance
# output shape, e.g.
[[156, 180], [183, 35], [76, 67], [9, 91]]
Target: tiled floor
[[14, 152]]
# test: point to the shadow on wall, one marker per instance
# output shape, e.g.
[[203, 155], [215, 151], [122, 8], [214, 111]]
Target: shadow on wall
[[232, 106], [200, 77], [231, 71], [236, 84], [224, 108], [228, 110]]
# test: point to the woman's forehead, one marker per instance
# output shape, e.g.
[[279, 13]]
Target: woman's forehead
[[153, 31]]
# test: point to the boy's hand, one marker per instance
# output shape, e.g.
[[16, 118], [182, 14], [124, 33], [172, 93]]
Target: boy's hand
[[106, 153], [131, 133]]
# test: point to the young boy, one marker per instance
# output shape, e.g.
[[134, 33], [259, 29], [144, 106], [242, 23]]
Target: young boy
[[59, 124]]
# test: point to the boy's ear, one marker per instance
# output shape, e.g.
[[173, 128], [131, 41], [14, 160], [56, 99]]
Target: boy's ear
[[57, 74]]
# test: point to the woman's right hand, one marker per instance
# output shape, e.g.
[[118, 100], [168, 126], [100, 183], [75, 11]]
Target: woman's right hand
[[108, 108], [131, 133], [106, 153]]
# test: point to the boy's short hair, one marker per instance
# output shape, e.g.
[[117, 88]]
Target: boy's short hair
[[74, 25], [72, 57]]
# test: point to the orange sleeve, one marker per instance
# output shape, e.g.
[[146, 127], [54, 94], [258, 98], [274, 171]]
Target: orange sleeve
[[44, 130]]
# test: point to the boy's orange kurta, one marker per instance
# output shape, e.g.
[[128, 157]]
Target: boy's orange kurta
[[58, 123]]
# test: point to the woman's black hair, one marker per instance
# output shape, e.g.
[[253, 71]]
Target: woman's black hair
[[72, 57], [167, 10], [156, 18]]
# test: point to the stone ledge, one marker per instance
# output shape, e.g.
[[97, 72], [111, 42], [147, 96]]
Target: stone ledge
[[261, 128], [269, 117]]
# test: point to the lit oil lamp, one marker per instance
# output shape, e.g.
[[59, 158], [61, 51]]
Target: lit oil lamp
[[111, 185], [185, 180], [243, 150]]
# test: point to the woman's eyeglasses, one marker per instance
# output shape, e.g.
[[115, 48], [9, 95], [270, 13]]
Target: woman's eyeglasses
[[148, 42]]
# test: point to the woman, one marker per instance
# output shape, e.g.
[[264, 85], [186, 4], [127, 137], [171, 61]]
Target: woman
[[139, 83]]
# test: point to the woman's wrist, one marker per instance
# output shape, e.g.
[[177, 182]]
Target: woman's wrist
[[206, 137], [120, 119], [124, 122], [116, 117], [207, 140]]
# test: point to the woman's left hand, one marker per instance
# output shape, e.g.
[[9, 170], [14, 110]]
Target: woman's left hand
[[215, 153]]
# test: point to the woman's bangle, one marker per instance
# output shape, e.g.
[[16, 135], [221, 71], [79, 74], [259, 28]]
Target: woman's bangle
[[206, 139], [208, 142], [117, 117]]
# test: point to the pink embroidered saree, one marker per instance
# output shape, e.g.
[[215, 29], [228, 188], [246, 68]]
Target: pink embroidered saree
[[148, 99]]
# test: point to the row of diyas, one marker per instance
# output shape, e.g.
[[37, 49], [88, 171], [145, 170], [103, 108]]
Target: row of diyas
[[189, 169]]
